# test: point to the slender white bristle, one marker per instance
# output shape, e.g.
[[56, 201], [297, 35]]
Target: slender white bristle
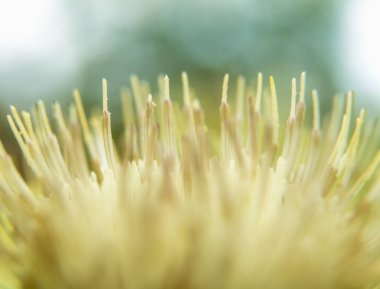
[[176, 204]]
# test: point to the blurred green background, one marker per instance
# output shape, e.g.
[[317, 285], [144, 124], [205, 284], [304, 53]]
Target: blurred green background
[[49, 47]]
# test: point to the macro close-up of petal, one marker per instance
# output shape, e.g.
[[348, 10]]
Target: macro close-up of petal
[[264, 200]]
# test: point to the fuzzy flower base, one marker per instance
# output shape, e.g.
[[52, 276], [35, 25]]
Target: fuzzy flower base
[[269, 204]]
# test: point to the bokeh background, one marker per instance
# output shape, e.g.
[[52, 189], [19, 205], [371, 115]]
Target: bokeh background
[[49, 47]]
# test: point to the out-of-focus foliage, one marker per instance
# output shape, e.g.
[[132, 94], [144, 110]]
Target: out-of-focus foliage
[[114, 39], [207, 39]]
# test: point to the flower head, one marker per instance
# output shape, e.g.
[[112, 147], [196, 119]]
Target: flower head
[[267, 204]]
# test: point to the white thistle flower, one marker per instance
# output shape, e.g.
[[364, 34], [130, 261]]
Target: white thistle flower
[[269, 204]]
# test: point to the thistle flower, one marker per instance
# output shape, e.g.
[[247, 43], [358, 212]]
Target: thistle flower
[[268, 204]]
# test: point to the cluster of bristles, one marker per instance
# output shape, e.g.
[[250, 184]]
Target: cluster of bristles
[[268, 204]]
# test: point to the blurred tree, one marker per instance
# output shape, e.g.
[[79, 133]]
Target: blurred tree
[[207, 39]]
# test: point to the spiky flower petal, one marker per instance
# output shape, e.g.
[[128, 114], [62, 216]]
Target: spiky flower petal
[[268, 204]]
